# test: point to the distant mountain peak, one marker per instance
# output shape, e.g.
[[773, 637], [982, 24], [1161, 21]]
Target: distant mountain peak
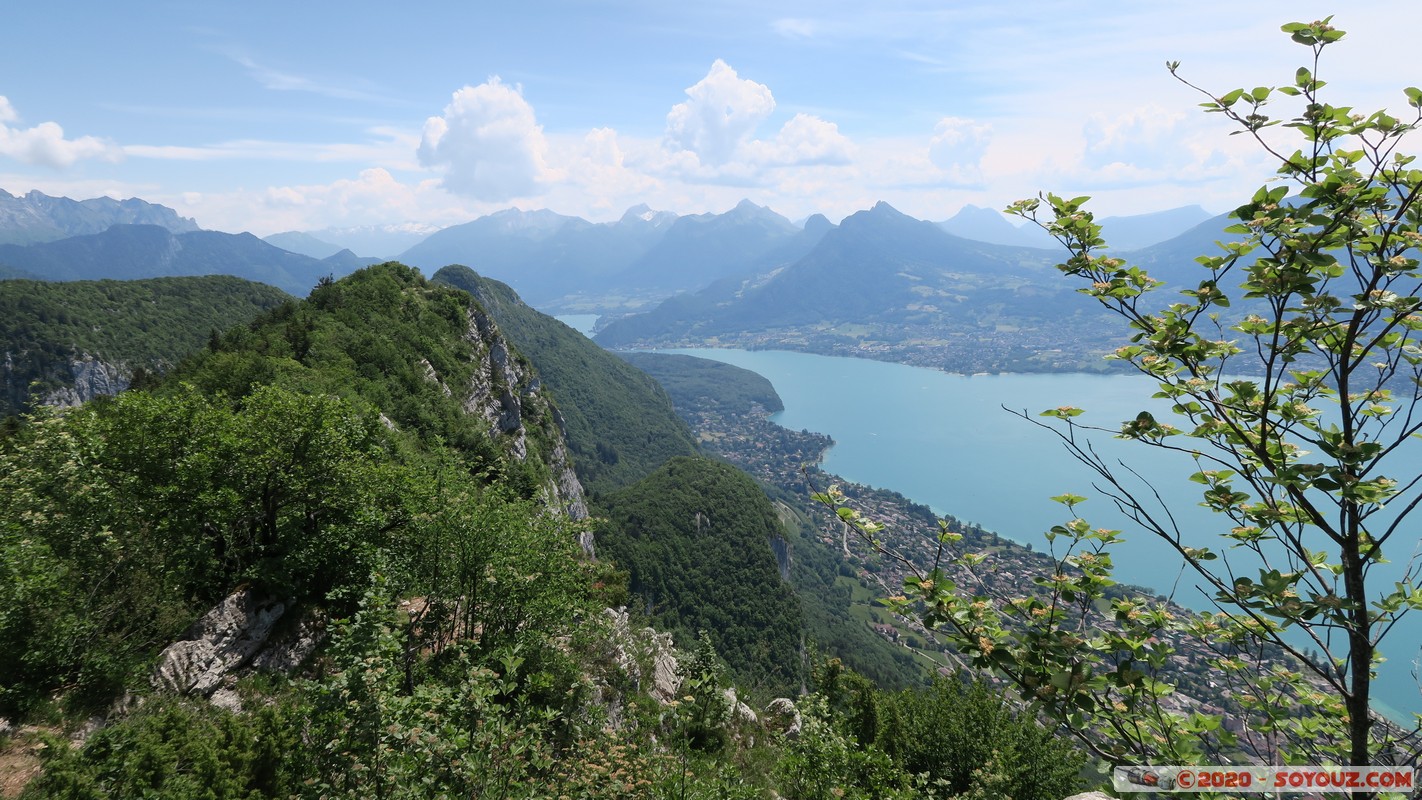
[[970, 211], [990, 225], [1143, 230], [748, 211], [879, 212], [539, 221], [746, 208], [385, 241], [817, 223], [882, 208], [302, 243], [644, 213], [520, 214]]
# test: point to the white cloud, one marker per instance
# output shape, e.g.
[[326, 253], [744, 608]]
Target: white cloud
[[389, 148], [599, 173], [45, 145], [795, 28], [1150, 145], [957, 148], [490, 143], [952, 158], [803, 141], [711, 136], [281, 81], [1143, 136], [373, 197], [721, 113]]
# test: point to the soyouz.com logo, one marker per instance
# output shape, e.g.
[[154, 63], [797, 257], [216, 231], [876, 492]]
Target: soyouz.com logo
[[1264, 780]]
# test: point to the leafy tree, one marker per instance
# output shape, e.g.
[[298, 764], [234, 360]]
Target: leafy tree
[[1292, 362], [121, 520], [950, 740], [178, 749], [993, 746], [472, 734], [824, 762]]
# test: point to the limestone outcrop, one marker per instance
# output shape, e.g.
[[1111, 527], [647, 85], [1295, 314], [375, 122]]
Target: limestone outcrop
[[781, 716], [220, 642], [506, 393]]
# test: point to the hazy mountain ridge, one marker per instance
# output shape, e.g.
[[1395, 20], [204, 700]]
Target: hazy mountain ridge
[[556, 260], [702, 248], [884, 285], [37, 217], [1131, 232], [646, 256], [989, 225], [542, 255], [1147, 230], [125, 252], [552, 260], [380, 241], [304, 244], [887, 286]]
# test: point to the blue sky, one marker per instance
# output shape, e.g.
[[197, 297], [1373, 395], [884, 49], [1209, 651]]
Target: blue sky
[[269, 117]]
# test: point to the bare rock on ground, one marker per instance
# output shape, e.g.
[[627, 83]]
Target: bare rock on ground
[[220, 642]]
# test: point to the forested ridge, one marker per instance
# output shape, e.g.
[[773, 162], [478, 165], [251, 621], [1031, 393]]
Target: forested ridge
[[699, 384], [140, 326], [695, 538]]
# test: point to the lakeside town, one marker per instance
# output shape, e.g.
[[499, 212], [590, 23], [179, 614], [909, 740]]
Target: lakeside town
[[787, 460], [946, 346]]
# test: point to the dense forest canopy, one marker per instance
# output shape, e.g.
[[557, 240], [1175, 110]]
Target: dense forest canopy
[[695, 539]]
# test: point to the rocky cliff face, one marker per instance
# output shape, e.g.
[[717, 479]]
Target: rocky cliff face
[[75, 381], [91, 378], [508, 395]]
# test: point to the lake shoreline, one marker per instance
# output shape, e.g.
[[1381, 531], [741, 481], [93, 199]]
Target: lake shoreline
[[944, 441]]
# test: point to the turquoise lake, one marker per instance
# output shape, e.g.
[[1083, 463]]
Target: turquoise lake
[[947, 442]]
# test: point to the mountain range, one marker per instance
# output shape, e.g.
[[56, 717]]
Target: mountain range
[[1122, 232], [36, 217], [884, 285], [126, 252], [568, 262], [376, 242], [973, 293]]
